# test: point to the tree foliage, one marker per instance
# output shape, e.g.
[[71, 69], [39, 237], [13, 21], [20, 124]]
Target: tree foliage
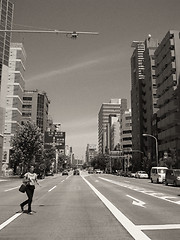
[[27, 145], [49, 156], [99, 162]]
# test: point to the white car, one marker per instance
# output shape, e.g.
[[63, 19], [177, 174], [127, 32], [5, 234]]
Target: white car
[[141, 174]]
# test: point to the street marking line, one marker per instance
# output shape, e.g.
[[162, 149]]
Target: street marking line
[[62, 181], [144, 191], [3, 225], [134, 231], [52, 188], [159, 227], [7, 190], [3, 180]]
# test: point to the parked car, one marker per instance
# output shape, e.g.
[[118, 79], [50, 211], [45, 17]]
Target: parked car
[[172, 177], [65, 172], [158, 174], [50, 173], [141, 174], [97, 171], [76, 172], [133, 174]]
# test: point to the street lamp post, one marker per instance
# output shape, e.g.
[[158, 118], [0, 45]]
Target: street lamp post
[[149, 135]]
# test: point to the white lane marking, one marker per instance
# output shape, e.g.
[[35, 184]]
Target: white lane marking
[[52, 189], [62, 181], [3, 225], [159, 227], [10, 189], [158, 195], [134, 231], [137, 202]]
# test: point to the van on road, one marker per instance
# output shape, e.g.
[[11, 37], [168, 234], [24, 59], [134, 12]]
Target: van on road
[[158, 174]]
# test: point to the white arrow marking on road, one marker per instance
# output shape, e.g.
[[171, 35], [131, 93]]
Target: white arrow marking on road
[[137, 202]]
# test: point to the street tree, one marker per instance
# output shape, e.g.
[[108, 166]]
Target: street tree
[[27, 145], [49, 156]]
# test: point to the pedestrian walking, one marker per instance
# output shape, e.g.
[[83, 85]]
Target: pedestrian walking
[[30, 179]]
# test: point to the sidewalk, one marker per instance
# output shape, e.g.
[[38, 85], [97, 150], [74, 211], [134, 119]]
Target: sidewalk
[[4, 178]]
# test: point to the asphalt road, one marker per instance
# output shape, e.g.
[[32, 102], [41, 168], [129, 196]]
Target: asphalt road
[[96, 206]]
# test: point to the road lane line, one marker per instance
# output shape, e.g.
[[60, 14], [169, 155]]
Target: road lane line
[[159, 227], [52, 188], [3, 225], [10, 189], [134, 231]]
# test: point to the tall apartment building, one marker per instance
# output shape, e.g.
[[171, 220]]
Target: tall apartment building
[[149, 99], [6, 19], [14, 95], [137, 81], [143, 98], [126, 134], [35, 108], [126, 131], [168, 91], [114, 108], [114, 133], [91, 152]]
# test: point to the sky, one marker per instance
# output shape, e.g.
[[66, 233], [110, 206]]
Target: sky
[[79, 75]]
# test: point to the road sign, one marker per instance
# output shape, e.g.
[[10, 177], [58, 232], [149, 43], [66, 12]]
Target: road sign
[[54, 139]]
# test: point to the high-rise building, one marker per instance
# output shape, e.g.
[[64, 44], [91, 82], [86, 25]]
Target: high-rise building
[[6, 19], [114, 133], [126, 134], [137, 81], [143, 97], [91, 152], [149, 98], [14, 95], [168, 91], [35, 108], [114, 108]]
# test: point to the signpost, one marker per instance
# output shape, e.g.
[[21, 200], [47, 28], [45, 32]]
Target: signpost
[[55, 139]]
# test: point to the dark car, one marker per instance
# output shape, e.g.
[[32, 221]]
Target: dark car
[[65, 172], [173, 177], [76, 172], [50, 173]]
